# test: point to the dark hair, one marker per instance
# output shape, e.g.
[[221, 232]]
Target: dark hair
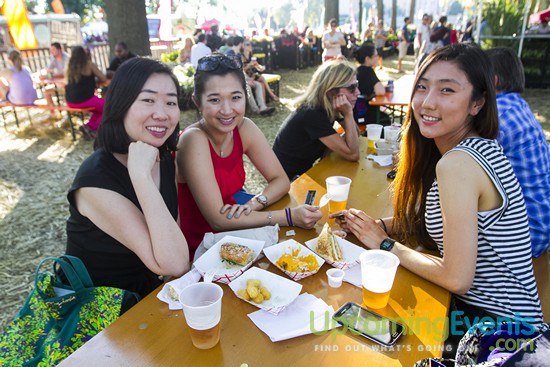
[[419, 155], [56, 45], [122, 44], [201, 37], [443, 20], [77, 62], [508, 68], [237, 40], [332, 20], [407, 19], [124, 89], [201, 77], [367, 49]]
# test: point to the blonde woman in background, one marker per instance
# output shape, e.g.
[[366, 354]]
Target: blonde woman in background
[[185, 52], [16, 84]]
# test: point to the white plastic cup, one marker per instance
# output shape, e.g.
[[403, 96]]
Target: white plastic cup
[[338, 191], [391, 133], [378, 268], [335, 277], [374, 131], [202, 308]]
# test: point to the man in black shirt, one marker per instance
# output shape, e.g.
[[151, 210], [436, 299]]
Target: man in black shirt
[[121, 54]]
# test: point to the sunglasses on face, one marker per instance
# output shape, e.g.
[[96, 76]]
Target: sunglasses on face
[[213, 62], [350, 87]]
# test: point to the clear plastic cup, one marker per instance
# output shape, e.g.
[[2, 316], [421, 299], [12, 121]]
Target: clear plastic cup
[[374, 132], [337, 191], [391, 133], [378, 268], [202, 308]]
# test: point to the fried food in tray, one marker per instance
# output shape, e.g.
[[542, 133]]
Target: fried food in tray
[[327, 246], [236, 254], [299, 264]]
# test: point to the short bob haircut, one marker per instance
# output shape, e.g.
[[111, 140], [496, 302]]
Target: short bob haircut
[[508, 68], [330, 75], [126, 86], [202, 77]]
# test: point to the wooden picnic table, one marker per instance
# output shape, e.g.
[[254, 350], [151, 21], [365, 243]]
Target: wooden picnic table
[[398, 99], [150, 334]]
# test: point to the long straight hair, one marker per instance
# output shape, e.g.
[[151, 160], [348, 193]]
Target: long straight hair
[[419, 155], [15, 57]]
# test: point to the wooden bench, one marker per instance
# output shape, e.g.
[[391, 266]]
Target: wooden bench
[[40, 104], [273, 82]]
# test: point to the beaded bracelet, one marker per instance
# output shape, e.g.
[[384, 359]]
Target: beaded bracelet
[[269, 218], [289, 217]]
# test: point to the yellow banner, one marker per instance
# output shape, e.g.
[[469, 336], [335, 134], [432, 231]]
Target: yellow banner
[[19, 25]]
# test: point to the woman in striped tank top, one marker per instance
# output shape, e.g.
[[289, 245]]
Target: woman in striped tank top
[[456, 192]]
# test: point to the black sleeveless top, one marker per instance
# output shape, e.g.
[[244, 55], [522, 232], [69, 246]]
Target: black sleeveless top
[[81, 91], [108, 261]]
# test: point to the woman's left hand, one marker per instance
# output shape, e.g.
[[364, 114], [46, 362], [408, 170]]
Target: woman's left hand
[[341, 104], [235, 210], [362, 226]]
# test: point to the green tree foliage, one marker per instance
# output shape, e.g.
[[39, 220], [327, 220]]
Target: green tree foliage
[[30, 5], [504, 18], [80, 7]]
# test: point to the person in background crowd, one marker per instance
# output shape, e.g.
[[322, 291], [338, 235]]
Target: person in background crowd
[[404, 37], [185, 52], [199, 50], [16, 84], [121, 54], [213, 40], [453, 33], [123, 201], [333, 40], [422, 36], [253, 69], [427, 44], [308, 134], [210, 167], [380, 38], [463, 199], [81, 74], [525, 146], [369, 86], [55, 69]]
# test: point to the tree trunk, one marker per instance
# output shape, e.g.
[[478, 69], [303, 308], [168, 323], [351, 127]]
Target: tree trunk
[[393, 15], [128, 23], [412, 11], [331, 11], [380, 9]]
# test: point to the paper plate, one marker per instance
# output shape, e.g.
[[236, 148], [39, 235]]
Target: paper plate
[[350, 253], [226, 272], [273, 253], [283, 291]]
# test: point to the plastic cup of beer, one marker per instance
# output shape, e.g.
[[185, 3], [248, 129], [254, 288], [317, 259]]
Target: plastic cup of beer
[[391, 133], [338, 191], [374, 132], [378, 268], [202, 308]]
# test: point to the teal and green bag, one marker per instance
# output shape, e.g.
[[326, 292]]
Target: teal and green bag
[[63, 311]]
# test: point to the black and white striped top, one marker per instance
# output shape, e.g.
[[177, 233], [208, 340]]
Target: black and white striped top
[[504, 283]]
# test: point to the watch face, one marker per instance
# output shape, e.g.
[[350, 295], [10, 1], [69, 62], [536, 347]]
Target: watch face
[[262, 199], [387, 244]]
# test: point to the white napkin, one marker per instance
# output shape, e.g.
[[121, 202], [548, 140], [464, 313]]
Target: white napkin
[[269, 234], [353, 276], [175, 287], [383, 160], [294, 320]]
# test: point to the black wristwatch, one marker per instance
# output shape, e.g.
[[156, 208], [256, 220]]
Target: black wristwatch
[[262, 199], [387, 244]]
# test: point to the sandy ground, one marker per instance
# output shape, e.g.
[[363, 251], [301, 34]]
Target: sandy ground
[[38, 163]]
